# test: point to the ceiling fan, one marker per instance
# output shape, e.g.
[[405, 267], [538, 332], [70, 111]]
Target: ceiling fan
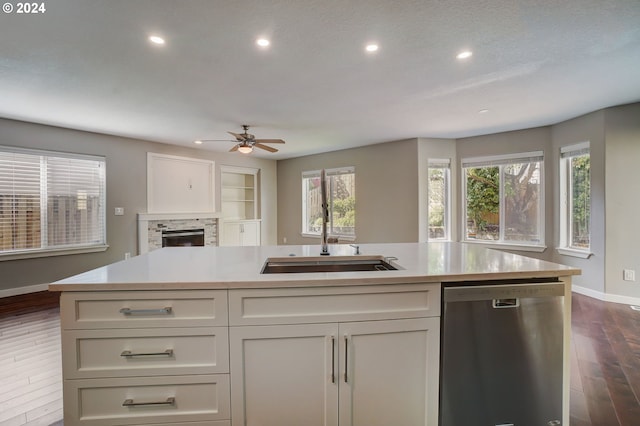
[[246, 142]]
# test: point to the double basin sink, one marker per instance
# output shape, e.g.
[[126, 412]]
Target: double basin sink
[[292, 265]]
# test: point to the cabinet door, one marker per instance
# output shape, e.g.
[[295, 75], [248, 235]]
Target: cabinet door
[[231, 235], [250, 232], [389, 372], [284, 375]]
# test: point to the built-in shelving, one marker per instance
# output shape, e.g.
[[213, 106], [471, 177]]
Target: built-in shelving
[[240, 206], [239, 194]]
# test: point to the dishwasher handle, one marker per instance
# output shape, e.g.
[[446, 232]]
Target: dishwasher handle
[[505, 303]]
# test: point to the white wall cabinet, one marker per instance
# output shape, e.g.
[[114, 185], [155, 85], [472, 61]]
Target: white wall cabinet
[[240, 233]]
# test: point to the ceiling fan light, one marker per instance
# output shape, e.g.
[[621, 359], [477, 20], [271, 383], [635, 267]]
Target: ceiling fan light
[[245, 149]]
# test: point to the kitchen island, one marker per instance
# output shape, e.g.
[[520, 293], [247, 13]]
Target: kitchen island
[[199, 336]]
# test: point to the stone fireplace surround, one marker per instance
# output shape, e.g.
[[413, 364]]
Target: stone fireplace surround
[[151, 225]]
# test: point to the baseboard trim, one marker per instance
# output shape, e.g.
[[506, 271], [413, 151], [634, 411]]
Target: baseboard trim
[[606, 297], [23, 290]]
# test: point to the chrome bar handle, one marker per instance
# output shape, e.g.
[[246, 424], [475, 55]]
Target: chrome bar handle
[[346, 358], [129, 354], [130, 403], [333, 359], [162, 311]]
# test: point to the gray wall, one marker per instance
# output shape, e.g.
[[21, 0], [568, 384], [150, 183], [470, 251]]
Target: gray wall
[[590, 128], [386, 192], [622, 154], [126, 187]]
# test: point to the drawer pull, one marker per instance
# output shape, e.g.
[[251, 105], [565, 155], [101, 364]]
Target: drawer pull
[[129, 354], [161, 311], [130, 403]]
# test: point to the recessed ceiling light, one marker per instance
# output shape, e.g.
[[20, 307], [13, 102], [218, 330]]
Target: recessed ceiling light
[[156, 40], [464, 54], [263, 42], [371, 47], [198, 142], [483, 111]]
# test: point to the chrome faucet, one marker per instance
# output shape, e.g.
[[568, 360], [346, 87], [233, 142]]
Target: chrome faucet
[[325, 214]]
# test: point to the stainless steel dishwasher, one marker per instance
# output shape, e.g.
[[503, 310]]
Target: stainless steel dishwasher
[[501, 353]]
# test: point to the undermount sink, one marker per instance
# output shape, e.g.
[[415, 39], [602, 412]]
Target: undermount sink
[[292, 265]]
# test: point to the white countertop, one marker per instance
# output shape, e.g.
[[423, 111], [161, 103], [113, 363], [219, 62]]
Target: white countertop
[[239, 267]]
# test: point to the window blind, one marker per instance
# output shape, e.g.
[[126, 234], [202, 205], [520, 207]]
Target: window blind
[[50, 200], [526, 157], [574, 150], [75, 189], [20, 201]]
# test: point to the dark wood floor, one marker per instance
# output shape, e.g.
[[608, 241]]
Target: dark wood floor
[[605, 364], [605, 358]]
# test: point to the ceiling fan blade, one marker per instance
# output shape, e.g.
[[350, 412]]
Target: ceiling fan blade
[[235, 148], [265, 147], [238, 136], [269, 141]]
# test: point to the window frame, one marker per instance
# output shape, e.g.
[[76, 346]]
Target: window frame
[[443, 164], [501, 161], [316, 174], [46, 249], [565, 246]]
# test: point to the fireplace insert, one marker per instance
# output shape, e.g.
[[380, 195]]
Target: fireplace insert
[[183, 238]]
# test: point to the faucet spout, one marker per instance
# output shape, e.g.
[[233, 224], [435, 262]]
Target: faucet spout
[[324, 251]]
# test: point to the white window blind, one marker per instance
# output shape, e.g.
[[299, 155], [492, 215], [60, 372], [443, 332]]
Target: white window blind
[[50, 200], [20, 201]]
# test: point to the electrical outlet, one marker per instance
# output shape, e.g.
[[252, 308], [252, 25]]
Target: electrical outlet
[[628, 274], [127, 255], [119, 211]]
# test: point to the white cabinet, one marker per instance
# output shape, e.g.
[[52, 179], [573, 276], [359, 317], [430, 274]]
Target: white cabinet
[[353, 355], [335, 368], [145, 357], [375, 373], [389, 372], [282, 375], [240, 233]]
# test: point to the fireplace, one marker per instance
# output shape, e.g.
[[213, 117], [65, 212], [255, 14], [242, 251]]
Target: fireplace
[[183, 238], [157, 230]]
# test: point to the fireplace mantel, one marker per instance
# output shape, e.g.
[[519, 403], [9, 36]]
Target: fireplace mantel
[[150, 227]]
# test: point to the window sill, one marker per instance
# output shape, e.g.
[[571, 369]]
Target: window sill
[[32, 254], [565, 251], [507, 246]]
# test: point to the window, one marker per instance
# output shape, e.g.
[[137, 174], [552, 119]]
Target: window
[[438, 200], [50, 201], [575, 193], [341, 185], [503, 199]]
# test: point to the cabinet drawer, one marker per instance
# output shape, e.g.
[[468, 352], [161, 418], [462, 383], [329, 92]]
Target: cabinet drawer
[[145, 352], [137, 309], [143, 400], [332, 304]]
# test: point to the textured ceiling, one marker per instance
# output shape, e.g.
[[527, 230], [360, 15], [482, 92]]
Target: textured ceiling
[[87, 64]]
